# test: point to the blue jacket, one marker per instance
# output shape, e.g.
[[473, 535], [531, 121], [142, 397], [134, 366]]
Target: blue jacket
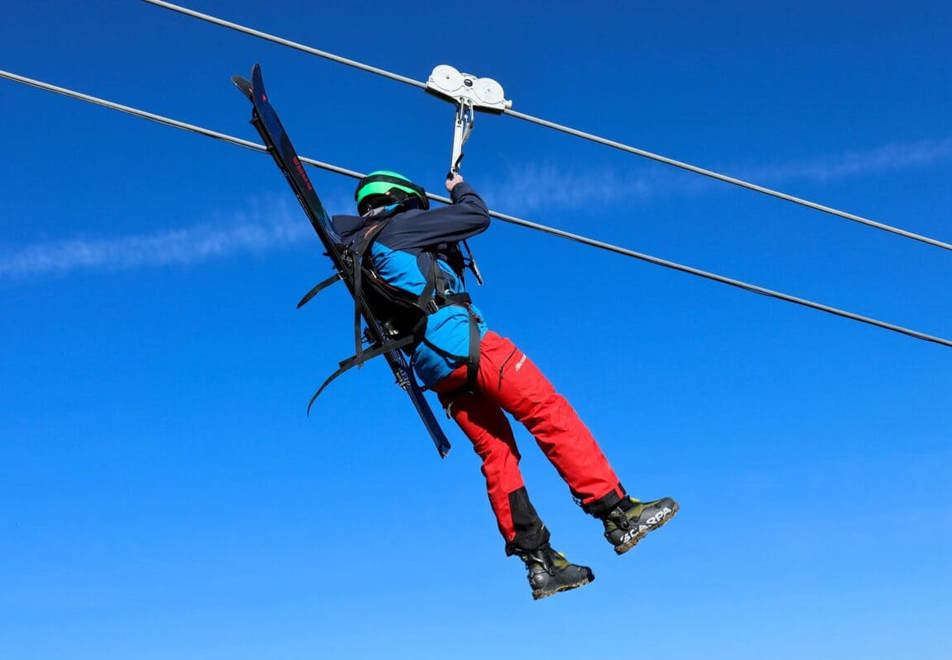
[[397, 258]]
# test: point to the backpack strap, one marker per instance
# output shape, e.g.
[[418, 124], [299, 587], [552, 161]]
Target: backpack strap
[[320, 286], [357, 256], [356, 361], [432, 300], [355, 253]]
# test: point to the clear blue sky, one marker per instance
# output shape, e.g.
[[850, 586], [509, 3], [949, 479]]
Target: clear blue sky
[[163, 494]]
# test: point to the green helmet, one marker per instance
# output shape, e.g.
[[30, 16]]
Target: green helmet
[[384, 183]]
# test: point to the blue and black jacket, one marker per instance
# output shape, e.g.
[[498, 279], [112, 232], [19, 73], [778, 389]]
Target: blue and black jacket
[[405, 251]]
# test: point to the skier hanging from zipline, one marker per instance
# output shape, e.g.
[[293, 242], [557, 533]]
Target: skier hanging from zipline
[[403, 264], [478, 374]]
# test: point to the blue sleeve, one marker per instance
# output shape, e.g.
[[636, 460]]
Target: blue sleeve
[[466, 217]]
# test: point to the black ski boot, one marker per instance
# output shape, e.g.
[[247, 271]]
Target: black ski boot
[[631, 520], [549, 572]]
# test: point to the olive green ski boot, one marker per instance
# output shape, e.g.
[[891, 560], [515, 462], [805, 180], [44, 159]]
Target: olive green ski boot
[[549, 572], [631, 520]]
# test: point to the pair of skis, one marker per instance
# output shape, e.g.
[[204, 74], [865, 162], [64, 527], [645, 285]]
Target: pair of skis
[[265, 120]]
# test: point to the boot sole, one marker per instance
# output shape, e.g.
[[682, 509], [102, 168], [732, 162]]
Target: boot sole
[[633, 541], [539, 595]]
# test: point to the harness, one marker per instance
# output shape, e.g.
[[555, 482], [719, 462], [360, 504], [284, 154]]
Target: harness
[[402, 314]]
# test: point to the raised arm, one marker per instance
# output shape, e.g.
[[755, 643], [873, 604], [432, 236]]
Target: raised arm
[[466, 217]]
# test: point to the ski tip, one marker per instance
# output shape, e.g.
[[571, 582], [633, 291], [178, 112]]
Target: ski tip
[[244, 85]]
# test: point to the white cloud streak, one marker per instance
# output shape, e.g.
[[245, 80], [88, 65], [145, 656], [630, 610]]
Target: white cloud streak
[[525, 189], [535, 187], [531, 187], [852, 163], [240, 233]]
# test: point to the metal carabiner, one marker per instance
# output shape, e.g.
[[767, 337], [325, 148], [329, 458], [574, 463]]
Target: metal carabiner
[[465, 119]]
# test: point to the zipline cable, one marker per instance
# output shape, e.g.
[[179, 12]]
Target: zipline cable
[[167, 121], [160, 119], [562, 128]]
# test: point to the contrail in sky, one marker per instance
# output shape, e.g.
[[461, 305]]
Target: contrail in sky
[[182, 246], [527, 188], [852, 163], [536, 187]]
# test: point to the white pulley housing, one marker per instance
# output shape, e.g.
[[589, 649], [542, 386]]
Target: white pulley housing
[[464, 88]]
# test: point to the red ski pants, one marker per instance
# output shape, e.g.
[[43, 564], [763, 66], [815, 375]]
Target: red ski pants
[[508, 381]]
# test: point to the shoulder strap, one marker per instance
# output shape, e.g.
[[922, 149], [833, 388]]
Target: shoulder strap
[[434, 299], [360, 247]]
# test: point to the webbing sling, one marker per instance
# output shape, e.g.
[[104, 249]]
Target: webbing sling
[[320, 286], [358, 257], [356, 361], [360, 355]]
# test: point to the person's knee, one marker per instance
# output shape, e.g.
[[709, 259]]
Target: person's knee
[[497, 451]]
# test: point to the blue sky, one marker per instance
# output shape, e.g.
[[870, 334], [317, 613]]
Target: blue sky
[[164, 494]]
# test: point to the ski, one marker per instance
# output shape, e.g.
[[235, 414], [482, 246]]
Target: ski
[[265, 120]]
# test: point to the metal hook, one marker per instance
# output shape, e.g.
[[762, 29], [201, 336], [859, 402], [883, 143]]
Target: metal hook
[[465, 119]]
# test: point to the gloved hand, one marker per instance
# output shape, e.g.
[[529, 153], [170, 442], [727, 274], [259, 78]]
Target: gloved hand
[[452, 179]]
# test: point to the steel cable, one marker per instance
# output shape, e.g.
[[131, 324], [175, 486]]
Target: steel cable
[[746, 286], [563, 128]]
